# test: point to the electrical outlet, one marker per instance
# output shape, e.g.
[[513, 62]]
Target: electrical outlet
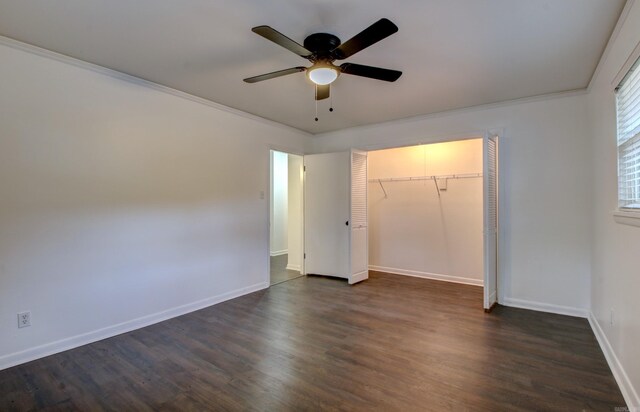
[[24, 319]]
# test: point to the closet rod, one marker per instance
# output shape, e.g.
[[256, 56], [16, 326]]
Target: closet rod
[[411, 178]]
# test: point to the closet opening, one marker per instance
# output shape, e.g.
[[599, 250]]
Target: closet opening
[[428, 207], [285, 217]]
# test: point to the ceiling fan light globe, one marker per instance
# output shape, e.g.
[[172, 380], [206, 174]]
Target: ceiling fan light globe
[[323, 75]]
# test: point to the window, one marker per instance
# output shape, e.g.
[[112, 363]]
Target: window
[[628, 107]]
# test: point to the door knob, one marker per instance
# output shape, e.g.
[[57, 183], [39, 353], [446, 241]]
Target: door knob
[[346, 223]]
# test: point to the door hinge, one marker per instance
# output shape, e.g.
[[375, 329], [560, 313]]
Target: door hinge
[[304, 168], [304, 256]]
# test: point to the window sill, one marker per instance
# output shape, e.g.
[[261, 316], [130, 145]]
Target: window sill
[[625, 217]]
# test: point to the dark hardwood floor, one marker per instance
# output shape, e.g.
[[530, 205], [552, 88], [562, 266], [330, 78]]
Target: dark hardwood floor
[[279, 272], [315, 343]]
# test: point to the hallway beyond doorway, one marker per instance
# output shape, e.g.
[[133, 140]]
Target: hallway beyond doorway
[[279, 271]]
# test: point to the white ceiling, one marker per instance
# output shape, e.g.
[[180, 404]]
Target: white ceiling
[[454, 53]]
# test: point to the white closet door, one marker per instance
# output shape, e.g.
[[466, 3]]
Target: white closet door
[[359, 221], [326, 214], [490, 166]]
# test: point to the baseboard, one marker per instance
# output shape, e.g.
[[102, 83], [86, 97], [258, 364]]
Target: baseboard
[[626, 387], [279, 252], [295, 268], [545, 307], [426, 275], [62, 345]]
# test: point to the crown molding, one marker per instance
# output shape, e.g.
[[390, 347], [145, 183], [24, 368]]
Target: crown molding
[[462, 110], [105, 71], [612, 39], [29, 48]]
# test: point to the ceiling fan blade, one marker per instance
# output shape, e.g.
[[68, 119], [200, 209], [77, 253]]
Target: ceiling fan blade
[[273, 75], [378, 73], [322, 92], [281, 40], [377, 31]]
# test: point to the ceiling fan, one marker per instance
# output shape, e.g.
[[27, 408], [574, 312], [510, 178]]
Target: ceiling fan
[[322, 49]]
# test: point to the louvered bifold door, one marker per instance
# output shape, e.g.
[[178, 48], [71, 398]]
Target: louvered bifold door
[[490, 176], [359, 230]]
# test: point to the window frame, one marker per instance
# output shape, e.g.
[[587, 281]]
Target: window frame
[[624, 215]]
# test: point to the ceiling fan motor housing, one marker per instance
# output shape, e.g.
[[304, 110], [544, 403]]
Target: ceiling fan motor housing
[[321, 44]]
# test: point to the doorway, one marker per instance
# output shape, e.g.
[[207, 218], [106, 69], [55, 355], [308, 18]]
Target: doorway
[[338, 201], [425, 211], [286, 217], [433, 212]]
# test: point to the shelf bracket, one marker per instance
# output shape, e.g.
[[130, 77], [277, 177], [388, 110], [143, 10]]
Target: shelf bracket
[[382, 187]]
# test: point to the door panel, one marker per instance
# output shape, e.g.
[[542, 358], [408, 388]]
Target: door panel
[[326, 215]]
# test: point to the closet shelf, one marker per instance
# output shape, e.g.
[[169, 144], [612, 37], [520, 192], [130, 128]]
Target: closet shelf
[[432, 177]]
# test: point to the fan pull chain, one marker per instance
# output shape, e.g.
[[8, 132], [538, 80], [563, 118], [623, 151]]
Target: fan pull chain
[[316, 102], [331, 99]]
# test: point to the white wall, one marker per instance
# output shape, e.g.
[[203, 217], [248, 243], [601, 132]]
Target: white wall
[[294, 218], [546, 202], [121, 204], [615, 283], [279, 203], [415, 231]]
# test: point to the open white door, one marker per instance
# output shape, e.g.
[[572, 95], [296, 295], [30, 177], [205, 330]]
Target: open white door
[[326, 214], [359, 221], [490, 169], [335, 215]]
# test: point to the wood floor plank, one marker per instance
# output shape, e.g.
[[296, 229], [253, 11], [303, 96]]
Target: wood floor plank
[[316, 343], [279, 272]]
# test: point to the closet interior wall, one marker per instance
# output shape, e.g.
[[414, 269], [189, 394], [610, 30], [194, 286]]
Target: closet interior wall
[[424, 226]]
